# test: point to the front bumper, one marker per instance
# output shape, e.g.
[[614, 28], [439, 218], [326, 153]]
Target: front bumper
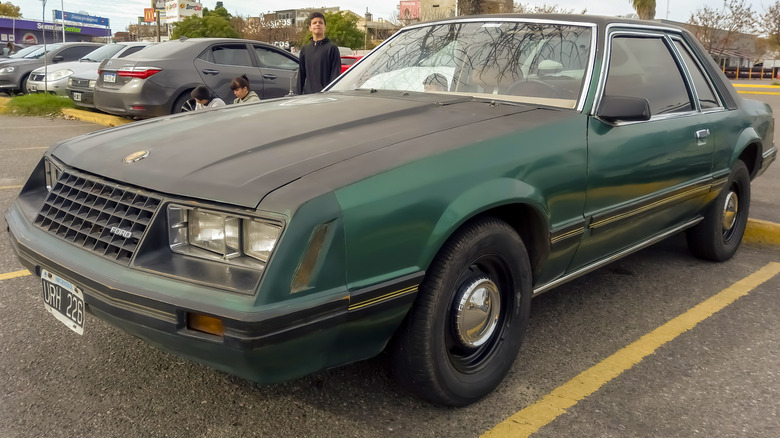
[[53, 87], [265, 345]]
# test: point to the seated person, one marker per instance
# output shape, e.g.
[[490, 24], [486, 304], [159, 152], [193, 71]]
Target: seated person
[[435, 82], [205, 99]]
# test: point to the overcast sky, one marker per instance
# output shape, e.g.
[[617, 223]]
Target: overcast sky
[[124, 12]]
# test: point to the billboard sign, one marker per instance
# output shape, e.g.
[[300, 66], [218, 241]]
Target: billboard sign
[[176, 11], [410, 10], [81, 18]]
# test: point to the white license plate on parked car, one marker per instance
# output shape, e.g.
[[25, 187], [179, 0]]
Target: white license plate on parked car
[[109, 77], [64, 300], [77, 97]]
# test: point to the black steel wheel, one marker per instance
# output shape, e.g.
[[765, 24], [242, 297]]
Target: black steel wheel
[[464, 330], [719, 235]]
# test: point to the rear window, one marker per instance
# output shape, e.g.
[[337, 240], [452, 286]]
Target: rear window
[[160, 51]]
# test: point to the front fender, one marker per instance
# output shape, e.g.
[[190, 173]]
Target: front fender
[[478, 199]]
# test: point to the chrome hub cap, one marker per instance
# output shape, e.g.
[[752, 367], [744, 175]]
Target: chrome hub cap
[[477, 312], [730, 209]]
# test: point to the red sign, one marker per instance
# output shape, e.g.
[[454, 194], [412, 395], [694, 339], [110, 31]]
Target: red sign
[[149, 15], [410, 10]]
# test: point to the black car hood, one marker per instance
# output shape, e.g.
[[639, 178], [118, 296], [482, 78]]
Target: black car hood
[[239, 153]]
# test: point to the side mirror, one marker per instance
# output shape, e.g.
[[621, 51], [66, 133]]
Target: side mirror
[[623, 108], [57, 59]]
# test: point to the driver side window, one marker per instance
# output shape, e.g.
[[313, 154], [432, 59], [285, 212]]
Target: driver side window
[[644, 67]]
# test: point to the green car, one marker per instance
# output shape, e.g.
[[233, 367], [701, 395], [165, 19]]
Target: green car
[[416, 205]]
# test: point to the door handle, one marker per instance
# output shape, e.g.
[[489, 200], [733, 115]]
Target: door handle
[[701, 137], [210, 71], [269, 76]]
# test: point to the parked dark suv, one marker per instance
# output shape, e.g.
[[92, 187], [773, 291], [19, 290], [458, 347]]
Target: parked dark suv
[[14, 73], [158, 80]]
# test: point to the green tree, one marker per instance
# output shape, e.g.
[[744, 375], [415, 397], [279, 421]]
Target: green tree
[[341, 29], [644, 8], [8, 9], [211, 25]]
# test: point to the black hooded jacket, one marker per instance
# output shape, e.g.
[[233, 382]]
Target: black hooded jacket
[[320, 63]]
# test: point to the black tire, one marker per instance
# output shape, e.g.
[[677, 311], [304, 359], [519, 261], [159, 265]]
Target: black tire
[[719, 235], [184, 103], [23, 84], [431, 354]]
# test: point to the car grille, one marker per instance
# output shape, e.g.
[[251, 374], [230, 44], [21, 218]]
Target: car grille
[[99, 216], [37, 78], [81, 83]]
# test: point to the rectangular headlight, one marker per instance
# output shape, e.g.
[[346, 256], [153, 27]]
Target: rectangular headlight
[[221, 236], [259, 239]]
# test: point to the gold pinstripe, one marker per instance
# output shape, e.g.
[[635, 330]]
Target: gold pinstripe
[[566, 235], [384, 297], [647, 207]]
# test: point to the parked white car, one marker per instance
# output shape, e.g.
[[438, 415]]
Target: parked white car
[[54, 78]]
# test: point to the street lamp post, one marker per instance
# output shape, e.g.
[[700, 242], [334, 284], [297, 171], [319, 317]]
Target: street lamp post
[[45, 63], [62, 6]]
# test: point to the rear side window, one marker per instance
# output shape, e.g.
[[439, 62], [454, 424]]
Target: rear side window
[[75, 53], [707, 98], [271, 59], [228, 54], [130, 51], [644, 67]]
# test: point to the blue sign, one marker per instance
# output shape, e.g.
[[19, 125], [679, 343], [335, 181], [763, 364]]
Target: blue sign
[[81, 18]]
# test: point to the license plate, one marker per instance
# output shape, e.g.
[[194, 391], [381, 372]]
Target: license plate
[[64, 300], [109, 77], [32, 87], [77, 97]]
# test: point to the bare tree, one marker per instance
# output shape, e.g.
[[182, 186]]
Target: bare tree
[[770, 20], [718, 30], [470, 7], [644, 8], [524, 8]]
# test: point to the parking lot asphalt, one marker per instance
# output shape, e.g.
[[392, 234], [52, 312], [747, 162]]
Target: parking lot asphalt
[[714, 375]]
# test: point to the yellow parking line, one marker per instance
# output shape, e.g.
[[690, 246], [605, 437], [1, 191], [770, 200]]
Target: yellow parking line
[[555, 404], [774, 93], [10, 187], [10, 275], [23, 149], [755, 86]]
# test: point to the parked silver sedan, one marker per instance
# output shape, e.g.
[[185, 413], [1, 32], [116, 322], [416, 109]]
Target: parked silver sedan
[[54, 78]]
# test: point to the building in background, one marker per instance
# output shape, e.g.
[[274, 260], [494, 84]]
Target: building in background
[[30, 32]]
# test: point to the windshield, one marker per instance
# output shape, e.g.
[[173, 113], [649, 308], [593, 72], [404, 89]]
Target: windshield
[[40, 52], [23, 52], [516, 61], [103, 52]]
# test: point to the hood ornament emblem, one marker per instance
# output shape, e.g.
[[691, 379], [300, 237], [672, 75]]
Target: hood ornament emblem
[[136, 156]]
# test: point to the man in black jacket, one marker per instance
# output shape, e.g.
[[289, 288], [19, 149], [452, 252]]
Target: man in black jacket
[[320, 61]]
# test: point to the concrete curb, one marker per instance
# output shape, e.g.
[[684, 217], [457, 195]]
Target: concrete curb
[[97, 118], [762, 232]]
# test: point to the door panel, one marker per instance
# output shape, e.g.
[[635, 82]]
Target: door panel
[[644, 177], [218, 65], [278, 72]]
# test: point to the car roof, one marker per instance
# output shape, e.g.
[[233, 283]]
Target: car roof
[[599, 20]]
